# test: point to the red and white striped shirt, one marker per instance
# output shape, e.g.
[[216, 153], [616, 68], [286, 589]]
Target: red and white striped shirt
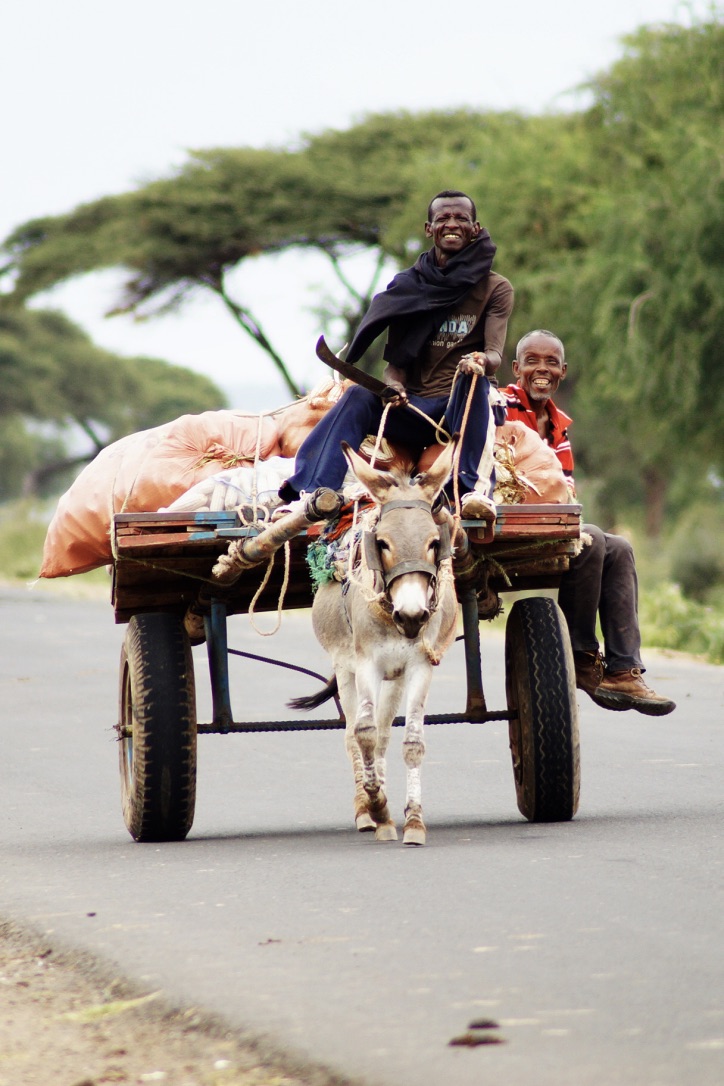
[[518, 409]]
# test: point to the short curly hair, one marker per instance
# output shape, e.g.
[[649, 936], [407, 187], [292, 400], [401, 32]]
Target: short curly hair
[[447, 193], [540, 332]]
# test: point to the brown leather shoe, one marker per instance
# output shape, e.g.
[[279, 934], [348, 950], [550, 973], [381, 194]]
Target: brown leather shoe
[[627, 690], [589, 671]]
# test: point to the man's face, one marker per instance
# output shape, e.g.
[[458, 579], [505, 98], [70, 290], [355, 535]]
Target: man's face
[[452, 226], [540, 368]]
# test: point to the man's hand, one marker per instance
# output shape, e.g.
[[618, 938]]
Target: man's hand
[[484, 363], [395, 378], [476, 362], [399, 399]]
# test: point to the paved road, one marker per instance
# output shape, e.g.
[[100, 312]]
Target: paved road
[[596, 945]]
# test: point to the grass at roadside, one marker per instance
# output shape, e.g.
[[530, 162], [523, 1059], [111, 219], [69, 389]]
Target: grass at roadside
[[23, 525], [670, 621]]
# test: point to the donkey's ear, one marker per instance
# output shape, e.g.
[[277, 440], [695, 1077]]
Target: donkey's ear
[[433, 480], [378, 483]]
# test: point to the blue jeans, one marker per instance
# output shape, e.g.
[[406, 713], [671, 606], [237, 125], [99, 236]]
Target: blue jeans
[[320, 460]]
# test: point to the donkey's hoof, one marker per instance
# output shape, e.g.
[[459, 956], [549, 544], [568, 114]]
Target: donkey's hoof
[[414, 835], [365, 822], [386, 832]]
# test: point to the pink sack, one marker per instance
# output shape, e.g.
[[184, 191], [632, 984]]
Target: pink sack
[[149, 470], [295, 421], [142, 472], [526, 467], [535, 470]]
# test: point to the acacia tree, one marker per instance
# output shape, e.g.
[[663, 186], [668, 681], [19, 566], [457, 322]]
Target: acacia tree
[[339, 193], [175, 236], [56, 386]]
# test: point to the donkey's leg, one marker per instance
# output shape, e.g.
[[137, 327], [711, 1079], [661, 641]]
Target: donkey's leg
[[363, 820], [348, 697], [388, 700], [365, 730], [413, 749]]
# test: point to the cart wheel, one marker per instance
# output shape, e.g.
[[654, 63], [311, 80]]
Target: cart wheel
[[541, 690], [157, 729]]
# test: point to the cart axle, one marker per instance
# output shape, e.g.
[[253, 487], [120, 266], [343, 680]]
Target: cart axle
[[331, 725]]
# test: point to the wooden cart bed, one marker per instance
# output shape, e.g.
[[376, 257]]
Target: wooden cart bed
[[163, 560]]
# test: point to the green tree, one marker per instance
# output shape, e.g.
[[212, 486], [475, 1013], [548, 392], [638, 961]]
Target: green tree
[[609, 224], [187, 233], [62, 398], [650, 279], [337, 194]]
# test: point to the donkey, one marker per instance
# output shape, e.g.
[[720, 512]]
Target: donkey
[[385, 629]]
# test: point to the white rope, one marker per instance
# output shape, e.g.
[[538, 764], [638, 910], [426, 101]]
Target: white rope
[[282, 593]]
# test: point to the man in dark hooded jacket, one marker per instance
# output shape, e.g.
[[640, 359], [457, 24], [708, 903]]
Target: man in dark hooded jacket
[[446, 318]]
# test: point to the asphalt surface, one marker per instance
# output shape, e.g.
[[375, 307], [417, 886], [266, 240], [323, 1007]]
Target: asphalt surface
[[595, 945]]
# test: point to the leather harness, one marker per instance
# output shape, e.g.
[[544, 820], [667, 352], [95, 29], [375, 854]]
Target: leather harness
[[372, 554]]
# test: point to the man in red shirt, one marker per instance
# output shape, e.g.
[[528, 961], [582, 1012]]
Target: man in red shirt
[[601, 581]]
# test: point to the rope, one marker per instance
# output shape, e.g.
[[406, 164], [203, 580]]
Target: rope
[[380, 433], [282, 593], [445, 578], [369, 595], [254, 480], [255, 511], [440, 431]]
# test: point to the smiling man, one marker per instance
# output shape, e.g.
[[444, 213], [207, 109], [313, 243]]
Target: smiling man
[[601, 582], [445, 316]]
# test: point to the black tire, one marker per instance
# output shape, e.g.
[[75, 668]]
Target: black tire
[[157, 729], [541, 691]]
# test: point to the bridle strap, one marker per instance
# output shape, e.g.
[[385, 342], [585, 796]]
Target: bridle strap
[[411, 566], [372, 554], [373, 561], [404, 503]]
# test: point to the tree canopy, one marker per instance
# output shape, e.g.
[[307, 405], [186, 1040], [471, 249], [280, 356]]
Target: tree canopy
[[63, 398]]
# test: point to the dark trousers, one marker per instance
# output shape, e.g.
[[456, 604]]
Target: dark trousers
[[320, 460], [602, 582]]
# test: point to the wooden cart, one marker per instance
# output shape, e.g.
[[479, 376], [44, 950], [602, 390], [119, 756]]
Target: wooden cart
[[162, 567]]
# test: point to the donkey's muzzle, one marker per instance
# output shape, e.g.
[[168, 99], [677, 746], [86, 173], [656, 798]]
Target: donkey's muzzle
[[410, 624]]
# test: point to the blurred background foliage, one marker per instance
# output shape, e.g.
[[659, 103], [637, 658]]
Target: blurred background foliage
[[608, 222]]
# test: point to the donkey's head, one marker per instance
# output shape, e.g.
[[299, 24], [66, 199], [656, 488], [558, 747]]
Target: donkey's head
[[407, 545]]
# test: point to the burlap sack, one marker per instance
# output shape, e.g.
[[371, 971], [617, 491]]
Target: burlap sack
[[149, 470], [526, 467], [143, 472]]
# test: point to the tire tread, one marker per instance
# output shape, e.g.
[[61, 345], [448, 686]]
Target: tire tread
[[541, 688], [159, 787]]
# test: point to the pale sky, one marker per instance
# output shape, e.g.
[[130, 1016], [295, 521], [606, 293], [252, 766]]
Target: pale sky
[[99, 97]]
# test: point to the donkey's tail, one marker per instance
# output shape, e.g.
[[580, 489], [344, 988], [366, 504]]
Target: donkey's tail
[[313, 700]]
